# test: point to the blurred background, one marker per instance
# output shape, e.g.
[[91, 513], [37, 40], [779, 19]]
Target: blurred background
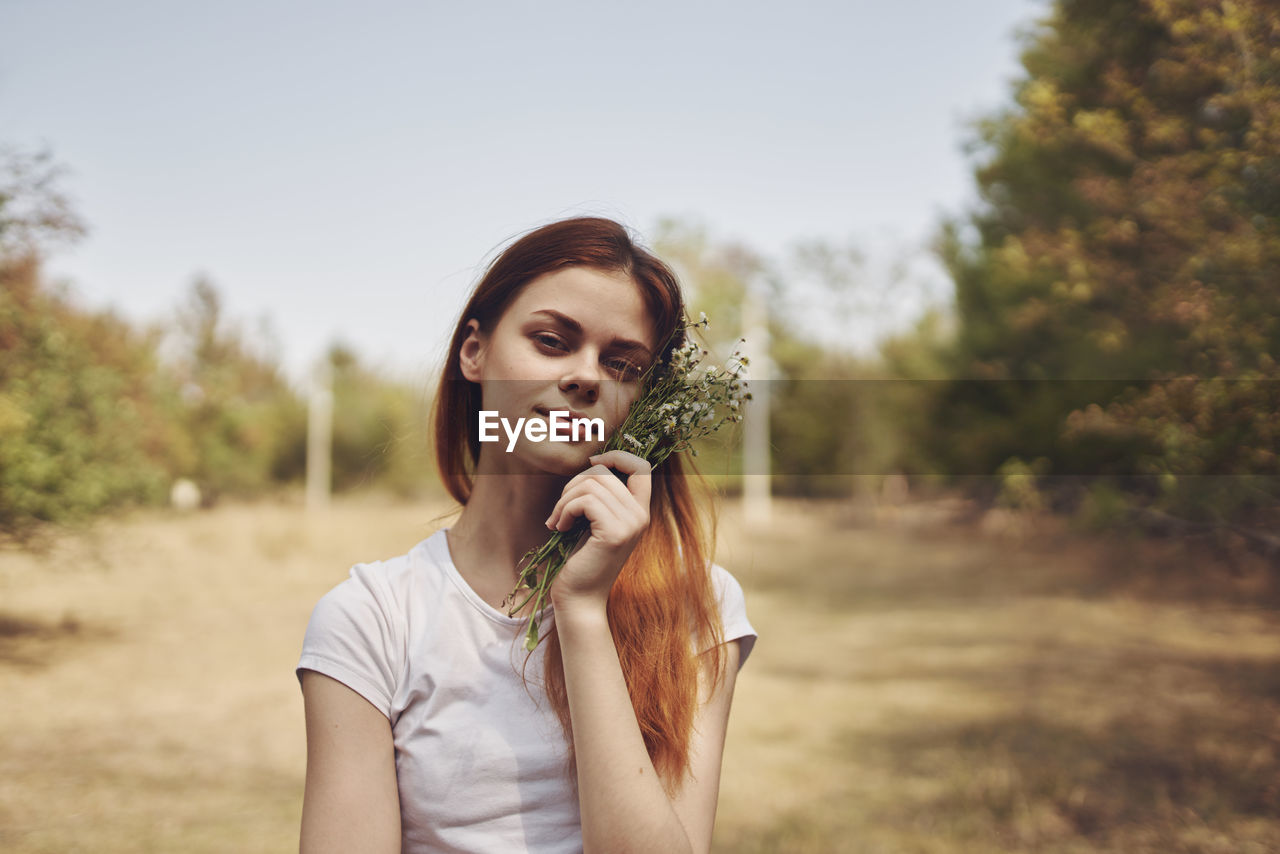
[[1006, 506]]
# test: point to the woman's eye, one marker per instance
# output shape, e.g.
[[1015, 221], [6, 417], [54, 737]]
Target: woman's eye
[[624, 369], [549, 341]]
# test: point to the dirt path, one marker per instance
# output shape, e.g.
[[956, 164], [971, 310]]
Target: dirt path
[[920, 689]]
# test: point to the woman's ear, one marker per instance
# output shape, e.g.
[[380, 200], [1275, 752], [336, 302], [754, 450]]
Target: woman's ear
[[471, 356]]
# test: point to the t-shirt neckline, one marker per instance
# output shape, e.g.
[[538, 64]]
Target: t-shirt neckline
[[439, 545]]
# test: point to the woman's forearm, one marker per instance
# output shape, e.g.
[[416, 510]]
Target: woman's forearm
[[624, 806]]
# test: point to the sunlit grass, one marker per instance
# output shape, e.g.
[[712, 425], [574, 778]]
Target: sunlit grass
[[923, 689]]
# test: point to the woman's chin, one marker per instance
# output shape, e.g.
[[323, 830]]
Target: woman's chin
[[564, 459]]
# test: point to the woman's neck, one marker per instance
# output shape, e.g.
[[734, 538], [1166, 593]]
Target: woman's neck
[[503, 519]]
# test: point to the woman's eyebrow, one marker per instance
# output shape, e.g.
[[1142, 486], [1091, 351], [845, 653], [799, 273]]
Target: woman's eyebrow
[[576, 328]]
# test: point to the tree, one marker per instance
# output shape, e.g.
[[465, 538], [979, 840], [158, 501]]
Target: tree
[[1118, 289], [79, 401], [380, 429], [244, 426], [34, 213]]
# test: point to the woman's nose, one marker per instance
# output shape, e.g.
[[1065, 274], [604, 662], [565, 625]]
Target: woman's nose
[[582, 375]]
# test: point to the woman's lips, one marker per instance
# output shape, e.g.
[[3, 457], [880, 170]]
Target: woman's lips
[[545, 412]]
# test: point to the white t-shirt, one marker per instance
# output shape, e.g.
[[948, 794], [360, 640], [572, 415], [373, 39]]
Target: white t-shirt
[[481, 764]]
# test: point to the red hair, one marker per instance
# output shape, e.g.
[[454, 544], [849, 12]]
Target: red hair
[[663, 608]]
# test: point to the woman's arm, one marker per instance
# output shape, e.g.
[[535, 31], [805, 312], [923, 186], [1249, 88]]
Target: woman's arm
[[695, 803], [623, 804], [352, 802], [624, 807]]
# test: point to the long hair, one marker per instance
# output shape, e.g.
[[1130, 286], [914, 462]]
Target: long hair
[[662, 608]]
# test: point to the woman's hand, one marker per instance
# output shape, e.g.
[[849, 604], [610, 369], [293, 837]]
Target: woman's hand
[[618, 514]]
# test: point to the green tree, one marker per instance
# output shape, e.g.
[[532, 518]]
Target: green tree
[[82, 425], [380, 429], [243, 425], [1118, 290], [34, 213]]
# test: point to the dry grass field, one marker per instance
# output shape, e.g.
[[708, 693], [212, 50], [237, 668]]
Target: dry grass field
[[918, 686]]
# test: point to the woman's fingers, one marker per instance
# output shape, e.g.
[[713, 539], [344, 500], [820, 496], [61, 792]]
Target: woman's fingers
[[599, 482], [602, 517], [636, 468], [624, 461], [618, 513], [635, 491]]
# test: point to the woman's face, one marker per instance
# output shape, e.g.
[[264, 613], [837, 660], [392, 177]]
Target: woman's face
[[576, 339]]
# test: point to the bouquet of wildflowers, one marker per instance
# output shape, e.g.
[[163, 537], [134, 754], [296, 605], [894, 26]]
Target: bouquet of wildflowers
[[679, 403]]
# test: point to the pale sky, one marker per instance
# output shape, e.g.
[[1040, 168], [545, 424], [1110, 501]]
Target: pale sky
[[347, 168]]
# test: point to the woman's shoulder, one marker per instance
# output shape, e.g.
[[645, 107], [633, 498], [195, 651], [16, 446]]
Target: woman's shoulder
[[727, 587], [385, 586], [722, 577], [392, 574], [732, 600], [358, 630]]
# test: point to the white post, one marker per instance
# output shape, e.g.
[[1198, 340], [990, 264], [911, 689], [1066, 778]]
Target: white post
[[320, 435], [756, 478]]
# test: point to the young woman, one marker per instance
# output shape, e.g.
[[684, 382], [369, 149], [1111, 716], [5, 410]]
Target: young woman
[[429, 728]]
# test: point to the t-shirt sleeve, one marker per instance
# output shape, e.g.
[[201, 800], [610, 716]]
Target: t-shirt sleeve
[[733, 611], [356, 636]]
